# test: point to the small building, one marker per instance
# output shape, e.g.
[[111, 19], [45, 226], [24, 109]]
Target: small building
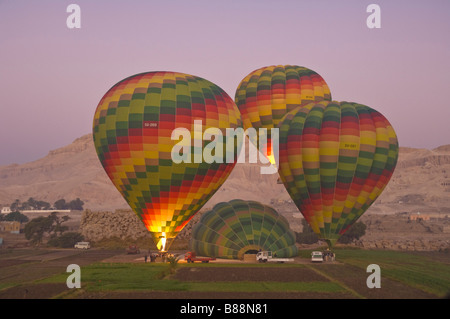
[[10, 227], [418, 217], [6, 210]]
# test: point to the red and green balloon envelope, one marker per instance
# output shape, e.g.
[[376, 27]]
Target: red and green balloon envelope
[[265, 95], [335, 160], [132, 132]]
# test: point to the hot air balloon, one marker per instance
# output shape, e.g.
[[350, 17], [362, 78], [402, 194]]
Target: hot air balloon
[[234, 228], [265, 95], [133, 135], [335, 160]]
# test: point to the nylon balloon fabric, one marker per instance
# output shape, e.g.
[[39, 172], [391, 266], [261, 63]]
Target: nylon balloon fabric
[[335, 160], [132, 132], [265, 95], [233, 228]]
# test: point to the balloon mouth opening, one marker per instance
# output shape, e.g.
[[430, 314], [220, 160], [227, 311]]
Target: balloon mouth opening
[[163, 241], [330, 242]]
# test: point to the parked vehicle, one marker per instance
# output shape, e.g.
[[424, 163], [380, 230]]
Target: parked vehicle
[[267, 256], [191, 257], [317, 256], [133, 249], [82, 245]]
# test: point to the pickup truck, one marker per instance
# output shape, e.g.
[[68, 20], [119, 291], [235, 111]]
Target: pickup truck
[[191, 257], [267, 256]]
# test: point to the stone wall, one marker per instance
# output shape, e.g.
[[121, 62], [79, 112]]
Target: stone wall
[[408, 245], [123, 224], [398, 232], [120, 224]]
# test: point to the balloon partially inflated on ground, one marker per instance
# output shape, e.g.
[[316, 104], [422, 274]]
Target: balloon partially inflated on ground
[[265, 95], [133, 135], [335, 160], [232, 229]]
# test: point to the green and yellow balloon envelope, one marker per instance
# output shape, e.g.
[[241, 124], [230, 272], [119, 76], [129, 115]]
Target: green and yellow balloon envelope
[[335, 160], [233, 228], [132, 132], [265, 95]]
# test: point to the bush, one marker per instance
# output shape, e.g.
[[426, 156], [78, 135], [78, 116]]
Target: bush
[[16, 216], [307, 238], [76, 204], [173, 263], [36, 228], [52, 225], [66, 240], [356, 231]]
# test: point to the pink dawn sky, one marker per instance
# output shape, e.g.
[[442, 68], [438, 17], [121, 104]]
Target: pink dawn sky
[[52, 77]]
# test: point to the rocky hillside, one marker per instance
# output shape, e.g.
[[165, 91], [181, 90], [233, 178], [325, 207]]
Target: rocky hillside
[[421, 182], [68, 172], [75, 171]]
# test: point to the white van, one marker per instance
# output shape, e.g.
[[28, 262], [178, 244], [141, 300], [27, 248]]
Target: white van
[[83, 245], [317, 256]]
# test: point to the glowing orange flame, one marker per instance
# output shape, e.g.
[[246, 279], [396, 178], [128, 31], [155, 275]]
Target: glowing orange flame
[[269, 154], [271, 159], [161, 245]]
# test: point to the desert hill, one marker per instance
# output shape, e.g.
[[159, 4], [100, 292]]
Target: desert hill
[[75, 171], [421, 182]]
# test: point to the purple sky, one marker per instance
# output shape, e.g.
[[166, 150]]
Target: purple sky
[[52, 77]]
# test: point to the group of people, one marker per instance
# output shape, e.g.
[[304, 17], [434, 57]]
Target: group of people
[[151, 256], [328, 255]]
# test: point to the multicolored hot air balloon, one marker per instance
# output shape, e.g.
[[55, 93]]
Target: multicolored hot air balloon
[[265, 95], [132, 132], [234, 228], [335, 160]]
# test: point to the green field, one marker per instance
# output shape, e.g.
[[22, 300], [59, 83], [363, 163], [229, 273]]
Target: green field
[[403, 275], [428, 272]]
